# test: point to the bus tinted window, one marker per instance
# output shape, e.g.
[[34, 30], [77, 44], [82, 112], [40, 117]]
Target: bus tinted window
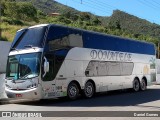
[[113, 68], [109, 68], [33, 37], [102, 69], [92, 69], [55, 59], [60, 37], [126, 68]]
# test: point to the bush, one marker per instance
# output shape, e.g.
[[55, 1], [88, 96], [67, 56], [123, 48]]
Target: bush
[[3, 39], [64, 20], [21, 10], [12, 21]]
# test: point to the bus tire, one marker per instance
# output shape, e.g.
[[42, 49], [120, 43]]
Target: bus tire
[[143, 85], [72, 91], [89, 89], [136, 85]]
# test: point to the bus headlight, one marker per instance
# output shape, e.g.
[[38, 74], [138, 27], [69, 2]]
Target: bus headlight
[[32, 86], [7, 86], [29, 86]]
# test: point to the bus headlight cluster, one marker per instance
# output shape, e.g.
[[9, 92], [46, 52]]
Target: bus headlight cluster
[[32, 86], [7, 86]]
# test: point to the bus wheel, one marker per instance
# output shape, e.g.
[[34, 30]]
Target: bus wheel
[[136, 85], [89, 90], [143, 85], [73, 91]]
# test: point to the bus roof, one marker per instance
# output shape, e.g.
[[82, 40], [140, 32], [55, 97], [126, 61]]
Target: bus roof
[[94, 40]]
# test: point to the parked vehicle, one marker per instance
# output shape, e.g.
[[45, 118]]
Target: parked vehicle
[[49, 61]]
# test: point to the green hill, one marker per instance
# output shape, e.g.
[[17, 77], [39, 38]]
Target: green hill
[[134, 24], [23, 13], [49, 6]]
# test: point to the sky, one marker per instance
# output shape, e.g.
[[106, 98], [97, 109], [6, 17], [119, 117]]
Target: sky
[[145, 9]]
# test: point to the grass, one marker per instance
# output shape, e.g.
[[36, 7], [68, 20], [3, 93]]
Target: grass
[[9, 31]]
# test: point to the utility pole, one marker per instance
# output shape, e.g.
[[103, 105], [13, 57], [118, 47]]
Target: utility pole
[[0, 21], [158, 52]]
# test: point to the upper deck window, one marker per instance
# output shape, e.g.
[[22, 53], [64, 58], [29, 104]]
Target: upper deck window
[[31, 36], [61, 37]]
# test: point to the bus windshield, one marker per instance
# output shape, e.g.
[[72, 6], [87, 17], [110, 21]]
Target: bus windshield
[[23, 66]]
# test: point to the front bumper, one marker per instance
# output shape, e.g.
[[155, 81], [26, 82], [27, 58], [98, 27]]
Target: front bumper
[[34, 93]]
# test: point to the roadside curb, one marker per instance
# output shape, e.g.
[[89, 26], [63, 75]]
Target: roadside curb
[[4, 101], [11, 101]]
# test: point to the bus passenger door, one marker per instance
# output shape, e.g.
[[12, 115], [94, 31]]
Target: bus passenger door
[[48, 82], [61, 82], [48, 89], [60, 72]]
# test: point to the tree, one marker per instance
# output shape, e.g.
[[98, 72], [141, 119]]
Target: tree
[[85, 16], [27, 11], [67, 14], [21, 10], [11, 10], [96, 21]]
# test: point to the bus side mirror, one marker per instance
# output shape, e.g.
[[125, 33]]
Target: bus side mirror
[[46, 66]]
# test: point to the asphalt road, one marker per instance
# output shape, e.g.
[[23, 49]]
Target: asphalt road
[[123, 101]]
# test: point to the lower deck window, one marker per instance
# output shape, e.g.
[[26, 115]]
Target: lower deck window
[[109, 68]]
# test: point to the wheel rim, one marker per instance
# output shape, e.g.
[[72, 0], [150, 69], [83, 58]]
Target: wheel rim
[[89, 90], [73, 91], [136, 85], [143, 85]]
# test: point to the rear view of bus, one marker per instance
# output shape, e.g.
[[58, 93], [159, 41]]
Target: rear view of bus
[[50, 61]]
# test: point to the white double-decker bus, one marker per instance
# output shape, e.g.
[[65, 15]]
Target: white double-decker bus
[[49, 61]]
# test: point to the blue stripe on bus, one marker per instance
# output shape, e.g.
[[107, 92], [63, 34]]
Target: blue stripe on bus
[[106, 42]]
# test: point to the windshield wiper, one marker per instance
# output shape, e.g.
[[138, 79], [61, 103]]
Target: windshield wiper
[[14, 49], [26, 76], [8, 78], [30, 46]]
